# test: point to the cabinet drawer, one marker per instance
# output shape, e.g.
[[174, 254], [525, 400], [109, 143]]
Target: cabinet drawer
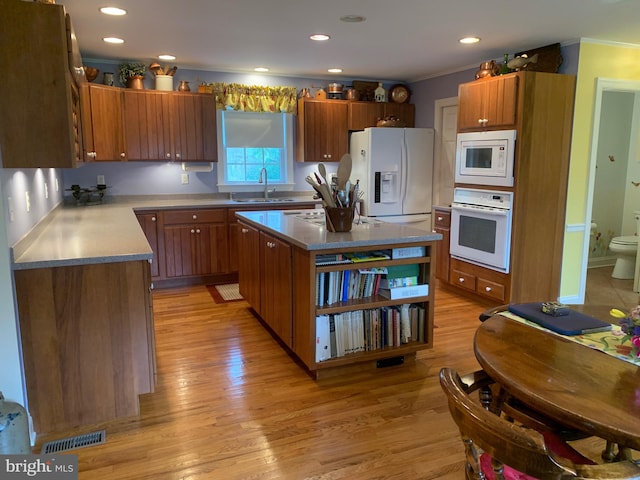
[[178, 217], [442, 218], [462, 279], [491, 289]]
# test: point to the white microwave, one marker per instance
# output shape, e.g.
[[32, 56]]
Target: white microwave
[[486, 158]]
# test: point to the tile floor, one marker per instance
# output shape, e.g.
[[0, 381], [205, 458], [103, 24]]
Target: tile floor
[[602, 289]]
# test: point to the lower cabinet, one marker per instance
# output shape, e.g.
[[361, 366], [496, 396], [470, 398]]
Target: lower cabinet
[[249, 265], [442, 225], [482, 281], [275, 286], [149, 223], [87, 332], [195, 242]]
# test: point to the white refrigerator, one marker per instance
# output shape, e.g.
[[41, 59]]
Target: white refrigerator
[[395, 169]]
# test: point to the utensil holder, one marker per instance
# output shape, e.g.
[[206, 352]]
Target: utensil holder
[[164, 82], [339, 219]]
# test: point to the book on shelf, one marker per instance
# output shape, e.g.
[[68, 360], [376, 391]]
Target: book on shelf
[[398, 293], [331, 259], [408, 252], [398, 282], [341, 286], [366, 330], [372, 256]]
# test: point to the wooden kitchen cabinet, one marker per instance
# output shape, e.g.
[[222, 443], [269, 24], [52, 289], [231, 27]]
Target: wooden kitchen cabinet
[[87, 340], [193, 126], [322, 133], [489, 103], [40, 104], [149, 223], [442, 225], [195, 242], [249, 265], [102, 123], [276, 286], [147, 125], [366, 114], [481, 281]]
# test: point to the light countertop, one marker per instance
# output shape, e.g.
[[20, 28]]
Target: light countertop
[[311, 234], [109, 232]]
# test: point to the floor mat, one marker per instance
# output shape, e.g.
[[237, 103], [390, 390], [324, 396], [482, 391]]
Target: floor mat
[[225, 293]]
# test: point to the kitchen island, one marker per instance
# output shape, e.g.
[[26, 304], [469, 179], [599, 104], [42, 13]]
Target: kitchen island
[[287, 270]]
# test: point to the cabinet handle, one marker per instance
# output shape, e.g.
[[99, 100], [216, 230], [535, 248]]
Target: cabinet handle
[[122, 155], [195, 217], [153, 219], [168, 155], [329, 155], [245, 230], [193, 231], [440, 219], [461, 280], [487, 289], [177, 155], [483, 121], [197, 230], [91, 154]]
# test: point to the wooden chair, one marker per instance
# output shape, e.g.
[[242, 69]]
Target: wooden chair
[[500, 449]]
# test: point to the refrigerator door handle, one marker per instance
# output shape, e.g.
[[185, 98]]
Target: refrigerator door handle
[[404, 172]]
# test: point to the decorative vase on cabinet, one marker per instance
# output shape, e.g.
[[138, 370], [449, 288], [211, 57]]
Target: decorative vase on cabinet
[[136, 82]]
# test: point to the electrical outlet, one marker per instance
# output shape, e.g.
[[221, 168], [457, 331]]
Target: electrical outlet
[[12, 212], [100, 180], [185, 179], [28, 200]]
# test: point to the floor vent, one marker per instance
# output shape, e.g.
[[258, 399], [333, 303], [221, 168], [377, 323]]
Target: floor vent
[[71, 443]]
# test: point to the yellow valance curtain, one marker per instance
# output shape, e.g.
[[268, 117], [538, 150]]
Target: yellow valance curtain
[[250, 98]]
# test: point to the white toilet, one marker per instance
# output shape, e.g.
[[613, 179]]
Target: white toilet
[[625, 248]]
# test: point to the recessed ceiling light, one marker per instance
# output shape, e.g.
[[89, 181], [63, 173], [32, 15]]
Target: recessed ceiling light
[[352, 18], [113, 40], [335, 70], [319, 37], [166, 57], [467, 40], [113, 11], [261, 69]]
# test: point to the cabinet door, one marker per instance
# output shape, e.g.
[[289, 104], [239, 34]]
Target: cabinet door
[[404, 111], [146, 124], [488, 103], [441, 225], [198, 249], [249, 265], [149, 224], [102, 124], [364, 114], [323, 134], [276, 284], [194, 127]]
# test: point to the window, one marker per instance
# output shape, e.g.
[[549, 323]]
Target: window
[[250, 141]]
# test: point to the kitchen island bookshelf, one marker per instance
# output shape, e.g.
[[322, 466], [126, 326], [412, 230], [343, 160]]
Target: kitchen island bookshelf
[[306, 241]]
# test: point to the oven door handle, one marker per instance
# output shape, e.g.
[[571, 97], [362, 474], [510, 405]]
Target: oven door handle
[[498, 212]]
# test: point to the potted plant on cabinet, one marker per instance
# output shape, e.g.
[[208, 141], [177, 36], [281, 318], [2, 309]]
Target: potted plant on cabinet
[[131, 75]]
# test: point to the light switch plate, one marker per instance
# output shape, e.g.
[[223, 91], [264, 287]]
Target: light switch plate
[[100, 180], [185, 179], [28, 200]]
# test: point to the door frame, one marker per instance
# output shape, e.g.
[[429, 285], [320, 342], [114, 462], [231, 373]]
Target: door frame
[[439, 106]]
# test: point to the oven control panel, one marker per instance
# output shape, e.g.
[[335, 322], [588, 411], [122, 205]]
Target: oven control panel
[[485, 198]]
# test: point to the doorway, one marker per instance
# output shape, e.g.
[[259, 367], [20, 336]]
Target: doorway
[[614, 181], [445, 126]]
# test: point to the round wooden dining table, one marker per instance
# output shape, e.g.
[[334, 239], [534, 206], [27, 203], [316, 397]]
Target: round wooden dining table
[[576, 385]]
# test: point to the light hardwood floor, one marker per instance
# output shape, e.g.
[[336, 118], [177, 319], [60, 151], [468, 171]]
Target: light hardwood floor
[[231, 404]]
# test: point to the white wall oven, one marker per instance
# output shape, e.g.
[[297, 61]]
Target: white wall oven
[[481, 227], [485, 158]]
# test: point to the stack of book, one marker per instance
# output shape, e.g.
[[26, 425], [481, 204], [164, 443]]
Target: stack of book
[[366, 330], [401, 281], [341, 286]]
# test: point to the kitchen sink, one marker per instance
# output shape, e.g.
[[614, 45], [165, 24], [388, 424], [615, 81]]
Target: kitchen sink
[[263, 200]]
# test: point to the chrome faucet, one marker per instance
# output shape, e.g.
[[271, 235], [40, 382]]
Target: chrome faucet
[[266, 182]]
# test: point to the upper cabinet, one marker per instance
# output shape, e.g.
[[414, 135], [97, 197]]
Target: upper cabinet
[[124, 124], [367, 114], [102, 123], [490, 103], [39, 95], [322, 134]]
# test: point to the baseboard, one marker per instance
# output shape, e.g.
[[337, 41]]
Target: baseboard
[[597, 262]]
